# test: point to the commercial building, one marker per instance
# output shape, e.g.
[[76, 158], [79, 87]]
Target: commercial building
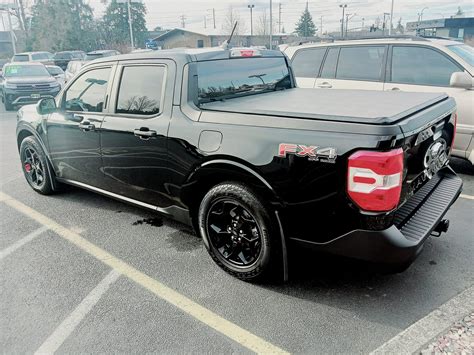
[[461, 28]]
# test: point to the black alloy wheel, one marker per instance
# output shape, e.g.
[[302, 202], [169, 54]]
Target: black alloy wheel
[[239, 232], [234, 232], [35, 166]]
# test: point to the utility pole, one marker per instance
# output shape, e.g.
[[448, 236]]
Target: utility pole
[[343, 6], [205, 22], [183, 21], [271, 24], [363, 19], [391, 20], [251, 18], [129, 6], [385, 14], [279, 17], [321, 27], [347, 23], [214, 17]]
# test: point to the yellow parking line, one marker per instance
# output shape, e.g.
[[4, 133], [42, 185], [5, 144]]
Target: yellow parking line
[[211, 319], [469, 197]]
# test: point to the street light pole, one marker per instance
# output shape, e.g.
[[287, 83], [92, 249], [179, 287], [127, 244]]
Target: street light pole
[[130, 22], [271, 24], [391, 20], [343, 6], [251, 18]]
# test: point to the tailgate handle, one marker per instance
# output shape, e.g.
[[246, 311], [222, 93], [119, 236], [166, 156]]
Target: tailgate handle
[[325, 85]]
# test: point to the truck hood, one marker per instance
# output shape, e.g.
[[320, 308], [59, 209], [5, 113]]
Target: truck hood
[[357, 106], [31, 80]]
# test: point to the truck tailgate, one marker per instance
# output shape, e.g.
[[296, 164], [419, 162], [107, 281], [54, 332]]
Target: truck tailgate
[[367, 107]]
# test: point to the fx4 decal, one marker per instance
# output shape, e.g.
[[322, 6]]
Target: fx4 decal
[[314, 153]]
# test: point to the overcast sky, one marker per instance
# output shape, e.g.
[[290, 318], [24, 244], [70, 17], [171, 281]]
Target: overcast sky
[[167, 13]]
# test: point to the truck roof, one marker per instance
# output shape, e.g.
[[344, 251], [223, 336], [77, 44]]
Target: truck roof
[[187, 54]]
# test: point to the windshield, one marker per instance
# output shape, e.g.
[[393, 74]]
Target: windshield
[[25, 70], [225, 79], [464, 51], [20, 58]]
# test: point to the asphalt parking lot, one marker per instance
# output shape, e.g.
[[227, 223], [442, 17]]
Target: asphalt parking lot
[[84, 273]]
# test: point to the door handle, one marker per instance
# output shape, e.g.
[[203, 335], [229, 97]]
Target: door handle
[[144, 133], [395, 89], [325, 85], [86, 126]]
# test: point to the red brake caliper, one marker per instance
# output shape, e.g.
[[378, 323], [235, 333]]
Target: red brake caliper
[[27, 167]]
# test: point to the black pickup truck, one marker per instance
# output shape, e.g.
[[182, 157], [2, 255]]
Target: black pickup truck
[[223, 140]]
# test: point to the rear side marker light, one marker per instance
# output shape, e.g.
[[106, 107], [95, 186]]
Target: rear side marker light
[[455, 123], [374, 179]]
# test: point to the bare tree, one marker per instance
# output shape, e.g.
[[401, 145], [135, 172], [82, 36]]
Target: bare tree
[[230, 19], [263, 24]]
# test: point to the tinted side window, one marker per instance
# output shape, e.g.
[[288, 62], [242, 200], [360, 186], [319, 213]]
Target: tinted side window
[[87, 93], [360, 63], [307, 62], [140, 90], [329, 67], [421, 66]]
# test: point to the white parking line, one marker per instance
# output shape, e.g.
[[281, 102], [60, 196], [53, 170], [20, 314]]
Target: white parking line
[[21, 242], [417, 335], [64, 330], [468, 197]]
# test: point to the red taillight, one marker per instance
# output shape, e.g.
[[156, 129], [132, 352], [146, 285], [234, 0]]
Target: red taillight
[[374, 179]]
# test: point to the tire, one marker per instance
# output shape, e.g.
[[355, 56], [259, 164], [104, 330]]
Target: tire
[[8, 105], [239, 233], [35, 166]]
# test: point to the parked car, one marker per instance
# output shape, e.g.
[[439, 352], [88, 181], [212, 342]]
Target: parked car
[[45, 58], [62, 59], [223, 140], [72, 68], [57, 73], [101, 53], [397, 64], [25, 83]]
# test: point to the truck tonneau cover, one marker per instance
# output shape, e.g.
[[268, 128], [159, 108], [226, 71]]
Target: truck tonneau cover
[[368, 107]]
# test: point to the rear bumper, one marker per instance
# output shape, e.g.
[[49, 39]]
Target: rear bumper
[[413, 223]]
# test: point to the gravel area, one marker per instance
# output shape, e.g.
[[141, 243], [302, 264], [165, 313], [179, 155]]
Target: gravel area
[[459, 339]]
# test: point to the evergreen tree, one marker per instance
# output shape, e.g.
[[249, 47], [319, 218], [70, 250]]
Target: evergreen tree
[[115, 25], [305, 26]]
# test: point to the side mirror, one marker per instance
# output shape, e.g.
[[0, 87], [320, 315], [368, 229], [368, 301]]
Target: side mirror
[[461, 80], [46, 106]]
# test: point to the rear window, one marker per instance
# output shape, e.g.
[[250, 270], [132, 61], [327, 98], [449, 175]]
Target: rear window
[[62, 56], [94, 56], [307, 62], [360, 63], [224, 79], [55, 70], [20, 58]]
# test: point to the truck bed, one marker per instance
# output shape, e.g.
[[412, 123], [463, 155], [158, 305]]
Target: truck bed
[[368, 107]]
